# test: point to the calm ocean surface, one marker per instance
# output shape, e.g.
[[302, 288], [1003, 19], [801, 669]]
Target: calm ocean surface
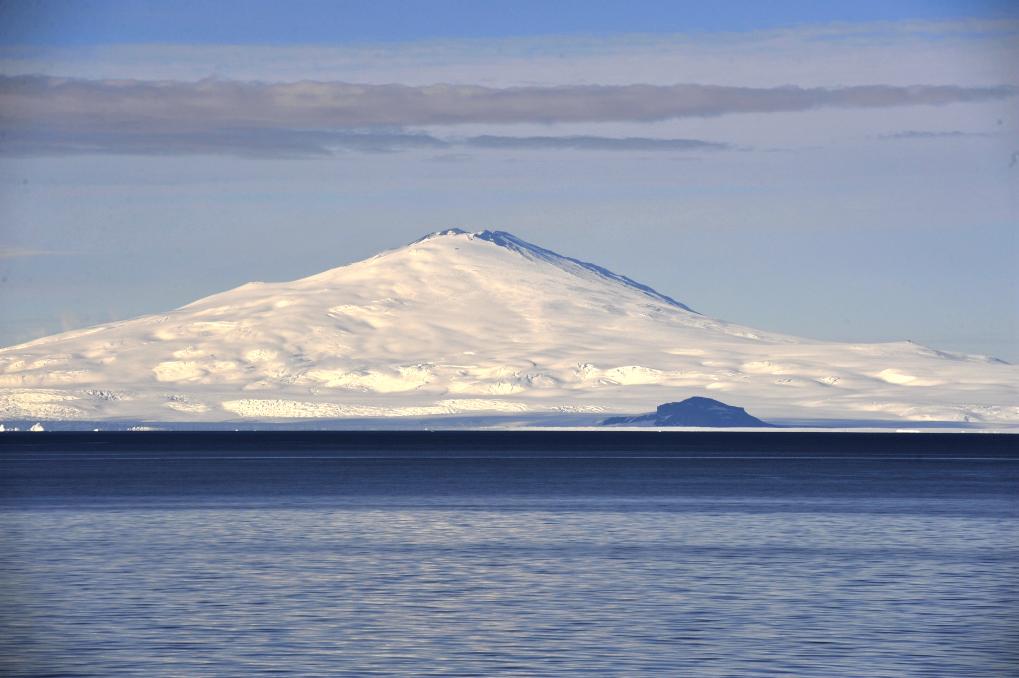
[[312, 554]]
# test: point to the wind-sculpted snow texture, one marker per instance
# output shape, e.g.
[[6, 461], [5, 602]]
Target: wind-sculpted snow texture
[[475, 323]]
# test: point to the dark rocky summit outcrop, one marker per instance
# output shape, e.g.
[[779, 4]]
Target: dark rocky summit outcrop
[[694, 411]]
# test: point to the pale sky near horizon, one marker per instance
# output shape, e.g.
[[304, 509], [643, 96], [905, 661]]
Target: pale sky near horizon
[[845, 173]]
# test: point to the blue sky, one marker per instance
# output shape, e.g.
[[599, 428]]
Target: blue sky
[[90, 22], [834, 170]]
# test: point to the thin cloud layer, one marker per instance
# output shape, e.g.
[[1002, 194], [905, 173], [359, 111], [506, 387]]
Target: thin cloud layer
[[268, 143], [21, 252], [593, 143], [244, 142], [957, 51], [919, 134], [287, 143], [338, 104]]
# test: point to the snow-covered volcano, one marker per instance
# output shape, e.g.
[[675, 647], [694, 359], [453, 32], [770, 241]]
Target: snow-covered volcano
[[459, 323]]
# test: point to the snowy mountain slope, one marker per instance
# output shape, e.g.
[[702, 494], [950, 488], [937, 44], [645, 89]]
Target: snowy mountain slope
[[474, 323]]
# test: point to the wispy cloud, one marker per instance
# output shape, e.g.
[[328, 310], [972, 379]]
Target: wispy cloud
[[289, 143], [919, 134], [593, 143], [965, 51], [451, 157], [19, 252], [246, 142]]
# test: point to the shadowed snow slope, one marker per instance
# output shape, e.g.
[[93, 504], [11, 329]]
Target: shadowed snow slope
[[474, 323]]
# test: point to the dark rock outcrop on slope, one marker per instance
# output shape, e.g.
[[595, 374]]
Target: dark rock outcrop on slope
[[694, 411]]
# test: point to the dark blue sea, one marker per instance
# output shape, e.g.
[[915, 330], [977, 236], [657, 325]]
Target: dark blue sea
[[481, 554]]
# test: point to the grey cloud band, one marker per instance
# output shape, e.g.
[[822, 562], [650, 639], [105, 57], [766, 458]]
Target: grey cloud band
[[43, 114], [335, 104]]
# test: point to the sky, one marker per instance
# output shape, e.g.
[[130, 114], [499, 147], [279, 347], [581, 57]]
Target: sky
[[841, 171]]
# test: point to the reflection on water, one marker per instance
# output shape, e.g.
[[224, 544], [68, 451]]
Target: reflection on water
[[690, 575]]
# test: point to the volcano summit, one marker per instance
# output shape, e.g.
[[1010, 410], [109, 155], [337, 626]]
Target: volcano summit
[[475, 323]]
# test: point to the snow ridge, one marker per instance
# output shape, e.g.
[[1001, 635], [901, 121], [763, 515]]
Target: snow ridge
[[535, 252]]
